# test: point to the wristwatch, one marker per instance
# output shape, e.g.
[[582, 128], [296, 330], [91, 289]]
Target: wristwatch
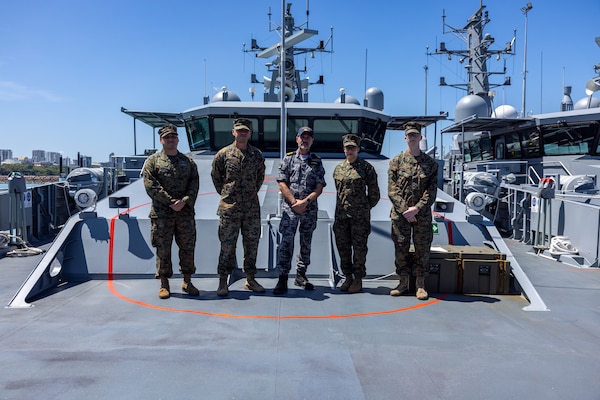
[[308, 200]]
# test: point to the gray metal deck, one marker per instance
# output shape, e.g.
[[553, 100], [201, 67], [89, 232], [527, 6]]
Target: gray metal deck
[[116, 338]]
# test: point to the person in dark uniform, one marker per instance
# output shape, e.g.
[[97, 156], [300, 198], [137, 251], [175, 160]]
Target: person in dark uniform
[[238, 172], [357, 192], [301, 180], [412, 188], [171, 180]]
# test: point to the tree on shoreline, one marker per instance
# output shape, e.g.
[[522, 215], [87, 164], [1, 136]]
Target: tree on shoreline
[[30, 170]]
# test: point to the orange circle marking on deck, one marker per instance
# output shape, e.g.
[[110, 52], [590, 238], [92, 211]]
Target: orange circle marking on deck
[[115, 292]]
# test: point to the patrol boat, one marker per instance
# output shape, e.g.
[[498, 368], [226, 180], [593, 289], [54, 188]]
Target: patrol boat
[[535, 176], [87, 319]]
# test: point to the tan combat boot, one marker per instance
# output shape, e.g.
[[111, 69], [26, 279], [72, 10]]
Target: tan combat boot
[[347, 283], [164, 291], [402, 286], [188, 287], [253, 285], [356, 285], [223, 289], [421, 292]]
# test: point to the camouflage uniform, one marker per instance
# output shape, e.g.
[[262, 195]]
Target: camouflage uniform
[[357, 192], [412, 181], [302, 175], [165, 178], [238, 176]]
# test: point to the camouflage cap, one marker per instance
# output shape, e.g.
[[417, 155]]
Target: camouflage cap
[[351, 140], [242, 123], [168, 129], [305, 129], [412, 127]]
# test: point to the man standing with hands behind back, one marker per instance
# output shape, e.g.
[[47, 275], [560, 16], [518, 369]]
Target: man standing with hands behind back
[[412, 187], [171, 180]]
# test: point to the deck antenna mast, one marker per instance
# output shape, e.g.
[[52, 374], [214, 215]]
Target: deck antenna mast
[[365, 101], [476, 55], [525, 11], [285, 83], [283, 116]]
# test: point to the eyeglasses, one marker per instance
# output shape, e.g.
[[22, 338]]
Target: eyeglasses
[[351, 148]]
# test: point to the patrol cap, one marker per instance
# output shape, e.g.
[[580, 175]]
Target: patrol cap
[[305, 129], [351, 140], [168, 129], [242, 123], [412, 127]]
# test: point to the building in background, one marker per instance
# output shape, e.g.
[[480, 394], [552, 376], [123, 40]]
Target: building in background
[[5, 154], [53, 157], [38, 156]]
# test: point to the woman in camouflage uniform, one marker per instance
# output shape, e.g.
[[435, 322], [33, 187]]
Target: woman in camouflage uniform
[[357, 192]]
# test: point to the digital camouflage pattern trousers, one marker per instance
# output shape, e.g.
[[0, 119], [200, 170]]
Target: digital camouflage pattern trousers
[[422, 235], [351, 235], [162, 231], [287, 229], [229, 230]]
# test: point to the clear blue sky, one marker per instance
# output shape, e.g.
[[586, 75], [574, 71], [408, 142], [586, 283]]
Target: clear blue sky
[[68, 66]]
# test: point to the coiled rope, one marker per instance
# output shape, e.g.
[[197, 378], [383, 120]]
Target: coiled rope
[[22, 249], [562, 245]]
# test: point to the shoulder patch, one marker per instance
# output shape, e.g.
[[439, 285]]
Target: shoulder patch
[[290, 153], [315, 156]]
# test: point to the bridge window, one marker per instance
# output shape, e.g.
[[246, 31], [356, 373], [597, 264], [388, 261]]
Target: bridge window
[[215, 133], [478, 150], [272, 133], [531, 144], [575, 139], [513, 146], [198, 133], [222, 131], [485, 145], [329, 133], [474, 150]]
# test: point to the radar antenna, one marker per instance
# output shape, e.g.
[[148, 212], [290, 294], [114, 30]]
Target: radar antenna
[[283, 61], [476, 55]]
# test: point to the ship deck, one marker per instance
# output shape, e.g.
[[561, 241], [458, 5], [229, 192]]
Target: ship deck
[[116, 338]]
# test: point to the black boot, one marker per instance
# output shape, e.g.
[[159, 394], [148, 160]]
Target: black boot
[[223, 289], [302, 281], [281, 286], [347, 282]]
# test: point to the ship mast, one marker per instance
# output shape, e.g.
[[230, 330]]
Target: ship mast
[[285, 80], [285, 83], [476, 55]]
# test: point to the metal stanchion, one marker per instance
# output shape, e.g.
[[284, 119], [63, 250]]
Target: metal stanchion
[[17, 225]]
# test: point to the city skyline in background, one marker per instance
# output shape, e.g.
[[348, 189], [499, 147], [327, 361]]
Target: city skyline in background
[[43, 157]]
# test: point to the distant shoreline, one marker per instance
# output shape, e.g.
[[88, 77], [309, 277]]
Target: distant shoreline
[[30, 179]]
